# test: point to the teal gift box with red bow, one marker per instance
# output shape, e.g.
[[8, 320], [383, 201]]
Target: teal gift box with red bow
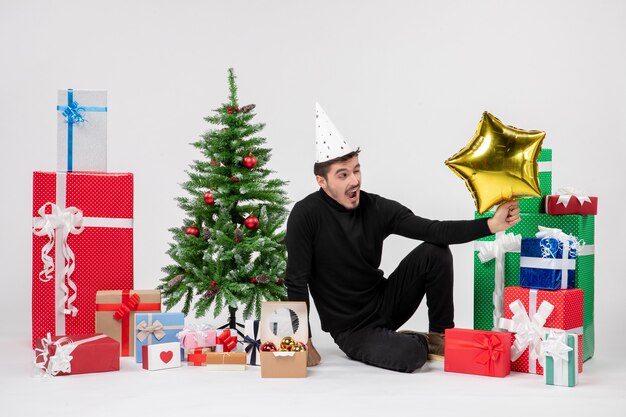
[[478, 352]]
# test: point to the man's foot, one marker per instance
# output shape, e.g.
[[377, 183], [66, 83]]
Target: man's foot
[[436, 344]]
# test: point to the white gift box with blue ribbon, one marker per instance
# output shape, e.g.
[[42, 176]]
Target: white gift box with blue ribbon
[[82, 130]]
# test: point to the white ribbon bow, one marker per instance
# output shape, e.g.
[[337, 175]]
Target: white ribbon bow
[[64, 222], [505, 242], [566, 193], [529, 332], [556, 346], [61, 361], [146, 330]]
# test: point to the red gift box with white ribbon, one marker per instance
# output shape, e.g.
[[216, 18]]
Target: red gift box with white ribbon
[[531, 314], [571, 201], [82, 242], [79, 354]]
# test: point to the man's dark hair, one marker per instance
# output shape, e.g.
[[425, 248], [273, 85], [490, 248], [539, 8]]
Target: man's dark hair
[[321, 168]]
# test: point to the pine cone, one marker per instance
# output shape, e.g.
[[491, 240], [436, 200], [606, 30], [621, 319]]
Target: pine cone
[[206, 233], [262, 279], [210, 293], [176, 280], [247, 108], [238, 235]]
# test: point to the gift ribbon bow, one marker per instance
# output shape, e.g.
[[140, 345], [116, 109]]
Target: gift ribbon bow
[[61, 361], [73, 112], [253, 344], [491, 349], [125, 308], [64, 222], [529, 330], [556, 346], [566, 193], [569, 244], [505, 242], [145, 330], [228, 341]]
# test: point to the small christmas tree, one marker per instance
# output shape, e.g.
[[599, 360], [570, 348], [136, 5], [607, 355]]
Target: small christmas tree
[[231, 249]]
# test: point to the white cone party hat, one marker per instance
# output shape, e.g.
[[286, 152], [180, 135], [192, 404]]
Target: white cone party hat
[[329, 143]]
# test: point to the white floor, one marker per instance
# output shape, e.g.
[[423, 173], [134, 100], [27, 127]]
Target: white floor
[[338, 387]]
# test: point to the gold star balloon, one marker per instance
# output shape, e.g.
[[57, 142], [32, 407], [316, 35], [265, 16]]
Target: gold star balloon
[[499, 163]]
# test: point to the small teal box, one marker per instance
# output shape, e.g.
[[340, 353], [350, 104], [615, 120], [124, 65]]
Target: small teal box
[[156, 328]]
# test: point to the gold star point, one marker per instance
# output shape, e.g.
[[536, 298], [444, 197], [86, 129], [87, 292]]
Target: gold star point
[[499, 163]]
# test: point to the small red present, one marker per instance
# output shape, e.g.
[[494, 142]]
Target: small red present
[[478, 352], [571, 201], [81, 354], [198, 356], [534, 312]]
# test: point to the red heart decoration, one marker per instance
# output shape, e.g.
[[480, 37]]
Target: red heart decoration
[[167, 356]]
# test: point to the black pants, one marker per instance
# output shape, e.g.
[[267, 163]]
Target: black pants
[[427, 270]]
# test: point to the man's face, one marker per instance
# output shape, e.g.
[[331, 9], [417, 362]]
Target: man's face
[[343, 182]]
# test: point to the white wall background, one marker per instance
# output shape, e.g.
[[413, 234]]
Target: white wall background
[[407, 81]]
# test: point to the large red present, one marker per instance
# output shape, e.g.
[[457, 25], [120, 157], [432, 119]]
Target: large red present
[[532, 313], [82, 243], [571, 201], [80, 354], [477, 352]]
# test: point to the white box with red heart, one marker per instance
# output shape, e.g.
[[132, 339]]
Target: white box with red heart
[[161, 356]]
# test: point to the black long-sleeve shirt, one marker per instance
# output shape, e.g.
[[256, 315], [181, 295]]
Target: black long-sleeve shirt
[[335, 252]]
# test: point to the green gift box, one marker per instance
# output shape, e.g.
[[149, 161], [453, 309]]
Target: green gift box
[[535, 204], [581, 227]]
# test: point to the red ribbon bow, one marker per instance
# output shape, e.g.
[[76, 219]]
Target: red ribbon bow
[[227, 340], [197, 356], [125, 308], [491, 349]]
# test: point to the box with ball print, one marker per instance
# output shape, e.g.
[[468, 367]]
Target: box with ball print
[[82, 242], [283, 331]]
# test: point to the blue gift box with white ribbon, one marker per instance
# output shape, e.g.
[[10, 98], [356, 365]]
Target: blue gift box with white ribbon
[[543, 265], [156, 328], [82, 130]]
